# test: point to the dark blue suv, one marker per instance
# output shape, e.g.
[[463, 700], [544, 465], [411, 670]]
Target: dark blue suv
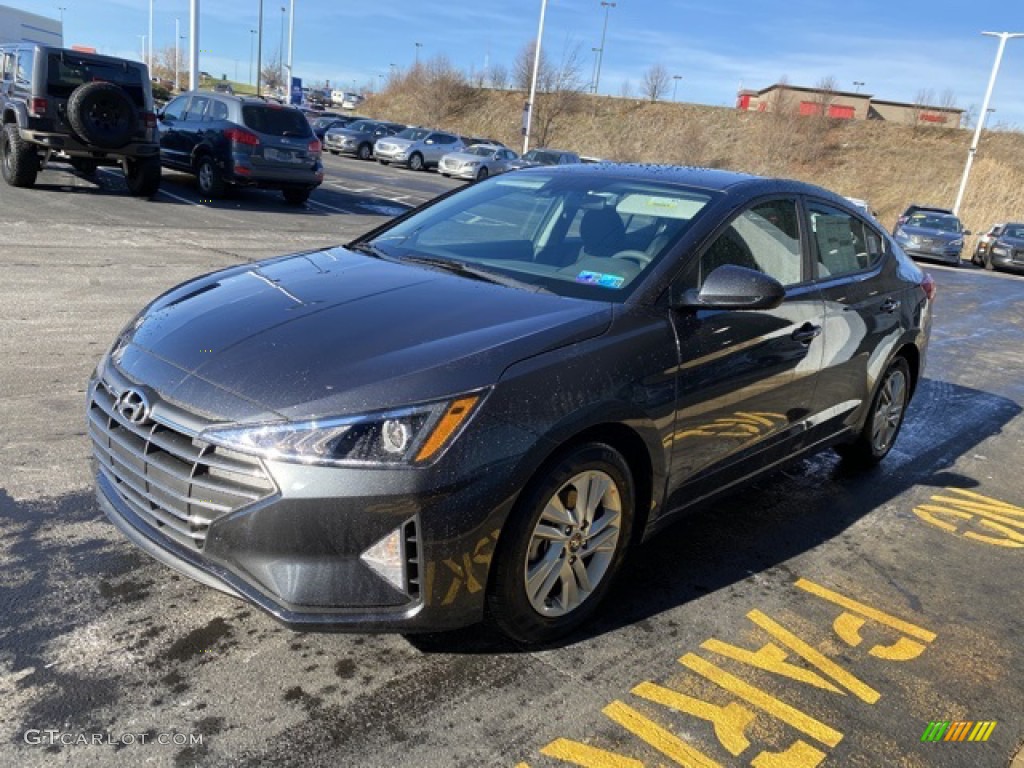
[[241, 141]]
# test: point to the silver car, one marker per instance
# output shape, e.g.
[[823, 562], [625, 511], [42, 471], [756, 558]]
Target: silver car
[[477, 162], [358, 138], [418, 148], [537, 157]]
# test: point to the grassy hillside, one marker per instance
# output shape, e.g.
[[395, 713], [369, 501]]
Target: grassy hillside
[[886, 164]]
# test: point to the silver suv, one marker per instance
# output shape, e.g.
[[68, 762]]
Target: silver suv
[[89, 109], [418, 148]]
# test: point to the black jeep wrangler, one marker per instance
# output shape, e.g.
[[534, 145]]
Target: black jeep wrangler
[[86, 108]]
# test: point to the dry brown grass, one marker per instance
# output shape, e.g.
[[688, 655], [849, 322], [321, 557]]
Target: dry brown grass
[[889, 165]]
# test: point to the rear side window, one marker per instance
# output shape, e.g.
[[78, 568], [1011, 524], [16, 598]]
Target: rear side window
[[275, 122], [65, 72], [844, 243]]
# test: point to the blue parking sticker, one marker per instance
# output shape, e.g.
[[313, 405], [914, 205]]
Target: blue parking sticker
[[599, 278]]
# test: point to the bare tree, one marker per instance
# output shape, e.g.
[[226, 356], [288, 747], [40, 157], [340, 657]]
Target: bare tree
[[924, 98], [626, 89], [655, 82], [499, 77], [825, 96], [271, 74], [559, 88], [435, 90]]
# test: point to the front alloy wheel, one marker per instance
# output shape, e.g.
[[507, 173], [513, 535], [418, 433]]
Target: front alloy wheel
[[562, 545]]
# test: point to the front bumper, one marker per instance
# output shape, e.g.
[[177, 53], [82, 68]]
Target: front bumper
[[944, 254], [1007, 258]]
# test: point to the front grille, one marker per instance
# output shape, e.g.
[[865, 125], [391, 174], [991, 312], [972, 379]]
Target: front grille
[[172, 480]]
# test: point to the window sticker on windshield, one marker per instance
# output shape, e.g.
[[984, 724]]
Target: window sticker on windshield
[[599, 278]]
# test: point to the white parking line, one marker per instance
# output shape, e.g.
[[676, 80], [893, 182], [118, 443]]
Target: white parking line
[[161, 191], [329, 207]]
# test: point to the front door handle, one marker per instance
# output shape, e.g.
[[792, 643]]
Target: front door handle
[[806, 333], [889, 306]]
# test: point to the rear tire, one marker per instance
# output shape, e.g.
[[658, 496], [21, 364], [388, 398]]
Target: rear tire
[[364, 152], [296, 196], [142, 175], [19, 162], [562, 545], [211, 180], [884, 420]]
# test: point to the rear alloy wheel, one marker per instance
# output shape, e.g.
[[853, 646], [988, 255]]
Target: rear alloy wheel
[[364, 152], [885, 419], [562, 545], [416, 162], [142, 175], [211, 181], [296, 196], [19, 162], [482, 174]]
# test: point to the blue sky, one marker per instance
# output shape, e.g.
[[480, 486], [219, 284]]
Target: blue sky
[[897, 48]]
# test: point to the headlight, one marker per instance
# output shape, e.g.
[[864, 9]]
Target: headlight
[[998, 249], [914, 240], [413, 436]]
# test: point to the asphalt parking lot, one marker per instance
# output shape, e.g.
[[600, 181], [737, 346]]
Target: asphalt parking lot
[[819, 617]]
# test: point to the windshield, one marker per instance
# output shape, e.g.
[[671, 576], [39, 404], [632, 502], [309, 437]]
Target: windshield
[[1014, 231], [413, 133], [935, 221], [479, 149], [362, 125], [586, 236]]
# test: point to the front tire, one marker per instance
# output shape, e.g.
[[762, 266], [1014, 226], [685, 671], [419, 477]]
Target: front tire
[[885, 419], [19, 162], [482, 174], [364, 152], [416, 162], [562, 546]]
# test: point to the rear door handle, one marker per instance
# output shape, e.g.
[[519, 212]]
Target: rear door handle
[[889, 306], [806, 333]]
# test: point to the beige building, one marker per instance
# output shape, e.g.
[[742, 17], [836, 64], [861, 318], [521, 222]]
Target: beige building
[[844, 105]]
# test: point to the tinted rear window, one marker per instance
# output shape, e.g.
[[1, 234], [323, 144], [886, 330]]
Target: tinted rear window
[[275, 121], [66, 72]]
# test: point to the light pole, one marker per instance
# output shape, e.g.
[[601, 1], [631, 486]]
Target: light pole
[[193, 45], [61, 8], [857, 85], [280, 49], [142, 39], [259, 49], [252, 44], [1003, 37], [528, 116], [150, 62], [593, 75], [291, 50], [418, 46], [675, 85], [604, 31], [177, 37]]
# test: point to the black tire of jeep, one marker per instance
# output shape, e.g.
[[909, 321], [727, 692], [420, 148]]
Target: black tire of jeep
[[103, 114], [18, 159], [142, 175]]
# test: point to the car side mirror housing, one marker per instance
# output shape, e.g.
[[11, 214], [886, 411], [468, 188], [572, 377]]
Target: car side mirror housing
[[730, 287]]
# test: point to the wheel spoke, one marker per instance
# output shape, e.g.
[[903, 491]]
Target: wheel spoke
[[543, 575], [597, 486], [579, 570], [570, 597], [605, 541], [608, 519], [555, 513], [549, 532]]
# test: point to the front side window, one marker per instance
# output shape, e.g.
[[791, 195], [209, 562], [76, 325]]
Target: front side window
[[843, 243], [572, 236], [765, 238], [175, 109]]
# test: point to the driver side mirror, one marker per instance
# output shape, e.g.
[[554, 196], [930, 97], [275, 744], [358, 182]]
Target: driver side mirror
[[730, 287]]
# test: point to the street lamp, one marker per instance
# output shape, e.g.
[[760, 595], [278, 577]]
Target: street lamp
[[675, 85], [150, 63], [857, 85], [280, 50], [593, 76], [142, 38], [177, 37], [259, 49], [252, 42], [418, 46], [600, 55], [528, 108], [1003, 37], [61, 8]]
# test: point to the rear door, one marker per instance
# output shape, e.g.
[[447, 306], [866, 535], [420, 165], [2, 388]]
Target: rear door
[[746, 379]]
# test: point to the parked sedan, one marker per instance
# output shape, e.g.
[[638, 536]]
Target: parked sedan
[[1006, 251], [929, 235], [321, 125], [418, 148], [357, 138], [984, 241], [477, 162], [525, 378], [536, 157]]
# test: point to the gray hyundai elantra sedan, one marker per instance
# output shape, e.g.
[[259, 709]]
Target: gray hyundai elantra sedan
[[476, 410]]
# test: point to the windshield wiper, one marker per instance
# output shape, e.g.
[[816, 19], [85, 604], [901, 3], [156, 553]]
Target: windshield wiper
[[474, 272], [370, 250]]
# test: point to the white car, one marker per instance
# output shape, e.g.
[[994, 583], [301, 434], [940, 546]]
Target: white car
[[477, 162]]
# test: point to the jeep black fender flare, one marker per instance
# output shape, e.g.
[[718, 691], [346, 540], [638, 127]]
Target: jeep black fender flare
[[16, 113]]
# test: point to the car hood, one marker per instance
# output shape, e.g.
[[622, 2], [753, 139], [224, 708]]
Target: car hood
[[336, 332], [465, 157], [929, 232], [402, 143], [345, 132]]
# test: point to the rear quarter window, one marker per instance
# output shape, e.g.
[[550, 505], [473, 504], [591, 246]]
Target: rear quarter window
[[275, 121]]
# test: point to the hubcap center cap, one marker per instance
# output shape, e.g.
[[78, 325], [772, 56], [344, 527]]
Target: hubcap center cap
[[575, 542]]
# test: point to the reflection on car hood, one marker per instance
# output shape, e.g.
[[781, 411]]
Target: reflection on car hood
[[930, 232], [347, 132], [336, 332], [397, 141]]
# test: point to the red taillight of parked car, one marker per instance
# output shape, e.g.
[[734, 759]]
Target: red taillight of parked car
[[238, 136], [928, 286], [148, 119], [315, 147], [38, 106]]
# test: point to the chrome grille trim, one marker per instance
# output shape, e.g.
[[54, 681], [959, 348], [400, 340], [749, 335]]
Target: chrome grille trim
[[171, 479]]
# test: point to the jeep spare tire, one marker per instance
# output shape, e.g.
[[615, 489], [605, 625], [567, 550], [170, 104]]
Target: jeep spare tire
[[102, 114]]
